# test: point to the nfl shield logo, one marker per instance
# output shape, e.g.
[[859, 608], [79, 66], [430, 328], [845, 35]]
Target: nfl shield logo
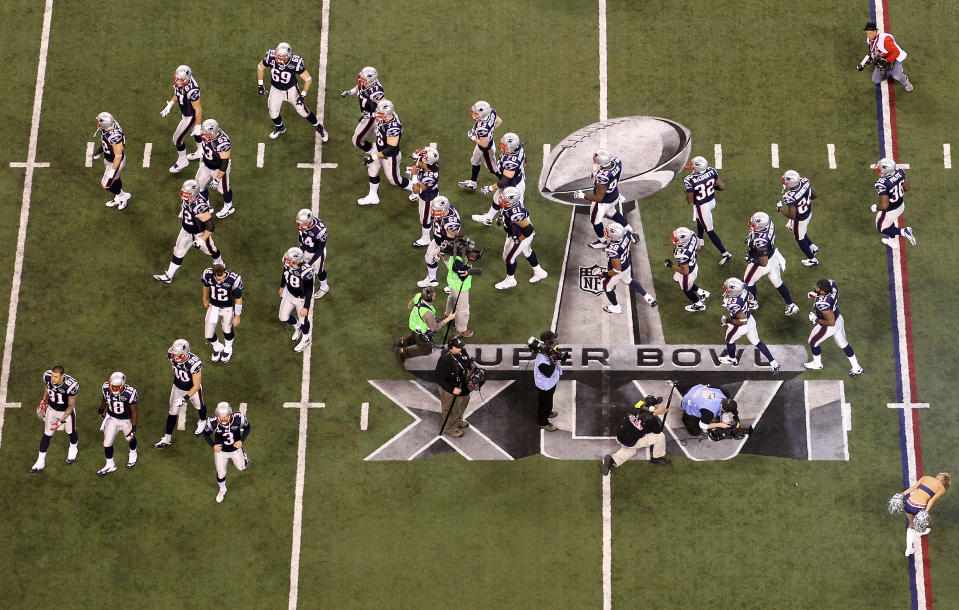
[[591, 279]]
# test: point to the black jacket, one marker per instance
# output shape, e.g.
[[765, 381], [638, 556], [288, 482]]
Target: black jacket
[[629, 433], [451, 371]]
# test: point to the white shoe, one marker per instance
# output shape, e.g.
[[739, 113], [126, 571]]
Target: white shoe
[[322, 131], [226, 211], [792, 309], [468, 184], [509, 282], [598, 244], [483, 219], [200, 427], [72, 452], [369, 200], [222, 493], [908, 234], [810, 262], [703, 294], [541, 274], [909, 87], [217, 354], [892, 242], [613, 308], [319, 294], [446, 289], [226, 356], [420, 243], [729, 360], [423, 283], [650, 299], [132, 461], [195, 155], [414, 196], [276, 133], [700, 306], [305, 341], [160, 444], [297, 333], [37, 466], [753, 305], [813, 365], [122, 200], [856, 371], [163, 277], [776, 366], [181, 163], [107, 469], [725, 258], [113, 203]]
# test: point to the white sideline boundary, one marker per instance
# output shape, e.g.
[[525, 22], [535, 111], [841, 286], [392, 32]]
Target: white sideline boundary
[[29, 166]]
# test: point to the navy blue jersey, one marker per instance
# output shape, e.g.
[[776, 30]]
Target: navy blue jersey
[[369, 97], [213, 148], [118, 405], [58, 395], [609, 177], [392, 128], [620, 251], [313, 240], [512, 216], [283, 78], [299, 281], [186, 95], [227, 435], [894, 188], [430, 179], [109, 138], [189, 210], [183, 371], [223, 293], [686, 255], [734, 305], [516, 163], [800, 198], [484, 128], [702, 186], [762, 243], [447, 226], [828, 302]]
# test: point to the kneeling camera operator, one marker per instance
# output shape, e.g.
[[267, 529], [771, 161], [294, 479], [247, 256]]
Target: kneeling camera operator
[[641, 429], [708, 410]]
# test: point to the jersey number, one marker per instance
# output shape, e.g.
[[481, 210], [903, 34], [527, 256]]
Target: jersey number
[[227, 437], [280, 76], [705, 189], [220, 293], [802, 206], [895, 194], [55, 397], [118, 407], [181, 374]]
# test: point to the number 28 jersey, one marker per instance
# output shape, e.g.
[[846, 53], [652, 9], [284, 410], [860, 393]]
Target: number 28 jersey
[[183, 371], [702, 186], [118, 405]]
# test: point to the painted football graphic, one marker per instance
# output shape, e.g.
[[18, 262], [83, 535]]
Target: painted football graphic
[[653, 151]]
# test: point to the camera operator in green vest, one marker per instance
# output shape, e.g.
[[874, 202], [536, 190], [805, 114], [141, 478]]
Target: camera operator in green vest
[[423, 326], [462, 255]]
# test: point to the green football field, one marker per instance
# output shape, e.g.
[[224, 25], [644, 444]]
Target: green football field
[[447, 532]]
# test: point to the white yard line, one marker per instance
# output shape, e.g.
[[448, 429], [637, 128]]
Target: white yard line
[[603, 78], [260, 153], [243, 409], [364, 416], [607, 544], [29, 166], [718, 156], [831, 153], [88, 162], [147, 152], [947, 156], [774, 155]]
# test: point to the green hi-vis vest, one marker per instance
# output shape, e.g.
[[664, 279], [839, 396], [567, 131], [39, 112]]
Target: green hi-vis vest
[[453, 279], [417, 323]]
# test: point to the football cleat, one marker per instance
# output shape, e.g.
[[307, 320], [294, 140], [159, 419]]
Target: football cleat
[[322, 131], [856, 372], [371, 199], [775, 366], [180, 164], [703, 294], [227, 210], [753, 305], [276, 133], [813, 365], [700, 306], [319, 294], [132, 461], [651, 300], [810, 262], [726, 257], [613, 308], [226, 356], [468, 184], [195, 155], [220, 495], [107, 469], [598, 244], [112, 203], [122, 200], [37, 467], [483, 219], [538, 275], [200, 427], [607, 464], [162, 443], [729, 360], [304, 342], [792, 309], [423, 283], [217, 354], [507, 283], [72, 452], [419, 244], [908, 234], [163, 277], [297, 333]]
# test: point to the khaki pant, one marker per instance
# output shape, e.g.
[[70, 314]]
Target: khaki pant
[[658, 442], [462, 308], [455, 405], [413, 345]]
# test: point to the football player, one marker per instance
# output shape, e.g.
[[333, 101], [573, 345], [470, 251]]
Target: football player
[[605, 198], [425, 177], [226, 432], [215, 169], [796, 205], [296, 296], [223, 300], [512, 172], [196, 230], [369, 90], [112, 142], [738, 302], [519, 236], [485, 122], [619, 240], [313, 243], [386, 153], [892, 187], [446, 226], [701, 187], [186, 93], [765, 259], [118, 413], [58, 410], [186, 387], [686, 247], [285, 70], [828, 322]]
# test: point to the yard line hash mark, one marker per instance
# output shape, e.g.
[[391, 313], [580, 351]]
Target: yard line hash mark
[[774, 154], [718, 156], [147, 152], [947, 156], [260, 152], [89, 160], [831, 152], [364, 416]]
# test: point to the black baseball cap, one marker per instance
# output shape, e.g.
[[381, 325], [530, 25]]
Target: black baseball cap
[[456, 342], [870, 26], [548, 335]]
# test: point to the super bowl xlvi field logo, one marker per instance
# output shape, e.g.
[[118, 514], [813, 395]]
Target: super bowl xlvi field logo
[[614, 360]]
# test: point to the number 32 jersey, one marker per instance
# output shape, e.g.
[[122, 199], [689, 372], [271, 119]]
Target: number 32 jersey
[[702, 186], [183, 371]]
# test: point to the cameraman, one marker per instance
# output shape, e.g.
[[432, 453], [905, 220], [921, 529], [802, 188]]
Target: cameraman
[[459, 278], [452, 374], [707, 409], [546, 373], [640, 431], [423, 326]]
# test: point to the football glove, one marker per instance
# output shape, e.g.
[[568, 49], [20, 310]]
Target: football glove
[[56, 425], [166, 109], [811, 295], [197, 130], [368, 159], [101, 412], [346, 93], [42, 409], [579, 195], [779, 205], [261, 89], [133, 432], [97, 154], [668, 262], [215, 184], [873, 208], [486, 190], [812, 317], [112, 172], [180, 402], [471, 134], [722, 321], [299, 99]]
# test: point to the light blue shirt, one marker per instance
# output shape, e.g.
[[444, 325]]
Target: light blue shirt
[[702, 397], [542, 381]]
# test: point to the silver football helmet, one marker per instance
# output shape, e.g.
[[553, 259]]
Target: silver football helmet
[[439, 207], [305, 219], [886, 167], [700, 164], [224, 413], [429, 155], [759, 221], [384, 110], [282, 54], [367, 77], [509, 143], [896, 504], [682, 236], [733, 287], [118, 381], [209, 130], [182, 75], [508, 197], [602, 158], [189, 190], [293, 257], [104, 121], [790, 180], [180, 351], [480, 110], [614, 232]]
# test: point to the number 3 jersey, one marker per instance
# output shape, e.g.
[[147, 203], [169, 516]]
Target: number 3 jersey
[[57, 395], [118, 405], [223, 293], [183, 371], [227, 435], [283, 78]]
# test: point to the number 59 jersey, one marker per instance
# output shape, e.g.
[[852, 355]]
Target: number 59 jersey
[[183, 371]]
